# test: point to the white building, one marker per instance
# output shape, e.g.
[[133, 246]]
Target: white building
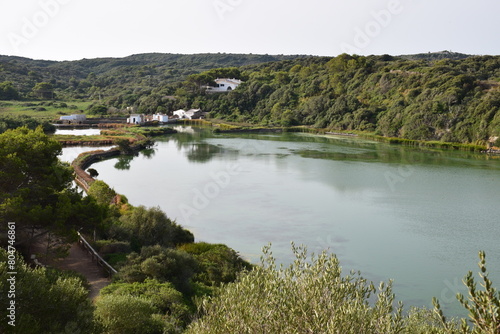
[[224, 85], [135, 119], [73, 118], [190, 114], [180, 113], [160, 118]]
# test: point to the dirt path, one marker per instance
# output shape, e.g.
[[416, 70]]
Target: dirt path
[[78, 260]]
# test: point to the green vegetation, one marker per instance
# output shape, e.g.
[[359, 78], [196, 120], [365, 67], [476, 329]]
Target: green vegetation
[[35, 188], [124, 81], [157, 282], [313, 296], [163, 275], [47, 301], [148, 227], [8, 91], [42, 110], [445, 100], [10, 122], [442, 97]]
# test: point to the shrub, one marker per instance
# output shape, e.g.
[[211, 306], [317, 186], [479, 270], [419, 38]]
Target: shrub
[[47, 301], [218, 263], [307, 297], [126, 314], [98, 110], [151, 226], [162, 264], [163, 296]]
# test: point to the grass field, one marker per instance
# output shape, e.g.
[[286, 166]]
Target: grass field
[[42, 110]]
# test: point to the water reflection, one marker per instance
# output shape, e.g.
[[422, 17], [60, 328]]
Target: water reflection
[[192, 143], [123, 162], [148, 153]]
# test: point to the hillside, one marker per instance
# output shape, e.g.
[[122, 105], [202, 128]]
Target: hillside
[[437, 56], [83, 78], [440, 96], [445, 100]]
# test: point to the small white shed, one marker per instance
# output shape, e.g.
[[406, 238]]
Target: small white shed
[[135, 119]]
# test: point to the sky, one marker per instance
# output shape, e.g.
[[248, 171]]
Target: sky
[[77, 29]]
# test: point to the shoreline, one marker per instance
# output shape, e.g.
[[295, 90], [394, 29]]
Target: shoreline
[[224, 127]]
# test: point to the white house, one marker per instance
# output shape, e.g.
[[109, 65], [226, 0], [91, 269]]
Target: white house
[[190, 114], [180, 113], [73, 118], [160, 118], [135, 119], [224, 85]]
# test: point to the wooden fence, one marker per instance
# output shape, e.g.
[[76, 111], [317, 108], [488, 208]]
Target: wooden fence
[[95, 256]]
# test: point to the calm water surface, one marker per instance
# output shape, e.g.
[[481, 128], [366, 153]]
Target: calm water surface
[[416, 216]]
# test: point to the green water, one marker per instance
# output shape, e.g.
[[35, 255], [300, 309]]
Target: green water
[[416, 216]]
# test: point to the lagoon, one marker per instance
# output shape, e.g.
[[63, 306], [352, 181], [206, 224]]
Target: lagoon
[[418, 216]]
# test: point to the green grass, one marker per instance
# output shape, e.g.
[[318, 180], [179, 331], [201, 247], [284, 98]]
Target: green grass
[[53, 109], [423, 143]]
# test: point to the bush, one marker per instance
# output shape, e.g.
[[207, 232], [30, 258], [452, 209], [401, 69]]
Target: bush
[[112, 246], [98, 110], [307, 297], [126, 314], [92, 172], [102, 193], [163, 296], [151, 226], [218, 263], [483, 306], [162, 264], [47, 301], [312, 296]]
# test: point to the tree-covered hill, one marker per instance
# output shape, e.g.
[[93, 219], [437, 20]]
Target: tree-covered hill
[[446, 100], [437, 56], [83, 78], [441, 96]]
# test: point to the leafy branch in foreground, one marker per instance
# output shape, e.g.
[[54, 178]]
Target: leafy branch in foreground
[[483, 306], [313, 296], [307, 297]]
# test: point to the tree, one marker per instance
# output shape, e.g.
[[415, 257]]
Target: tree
[[148, 227], [44, 90], [483, 306], [162, 264], [102, 193], [98, 110], [31, 177], [123, 145], [218, 263], [10, 122], [35, 188], [8, 91]]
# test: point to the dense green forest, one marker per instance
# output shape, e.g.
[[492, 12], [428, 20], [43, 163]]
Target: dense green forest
[[442, 96], [444, 100], [114, 78]]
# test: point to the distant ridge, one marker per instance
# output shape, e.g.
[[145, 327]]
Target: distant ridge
[[437, 56]]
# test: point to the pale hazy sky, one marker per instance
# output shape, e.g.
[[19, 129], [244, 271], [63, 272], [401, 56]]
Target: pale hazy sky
[[76, 29]]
